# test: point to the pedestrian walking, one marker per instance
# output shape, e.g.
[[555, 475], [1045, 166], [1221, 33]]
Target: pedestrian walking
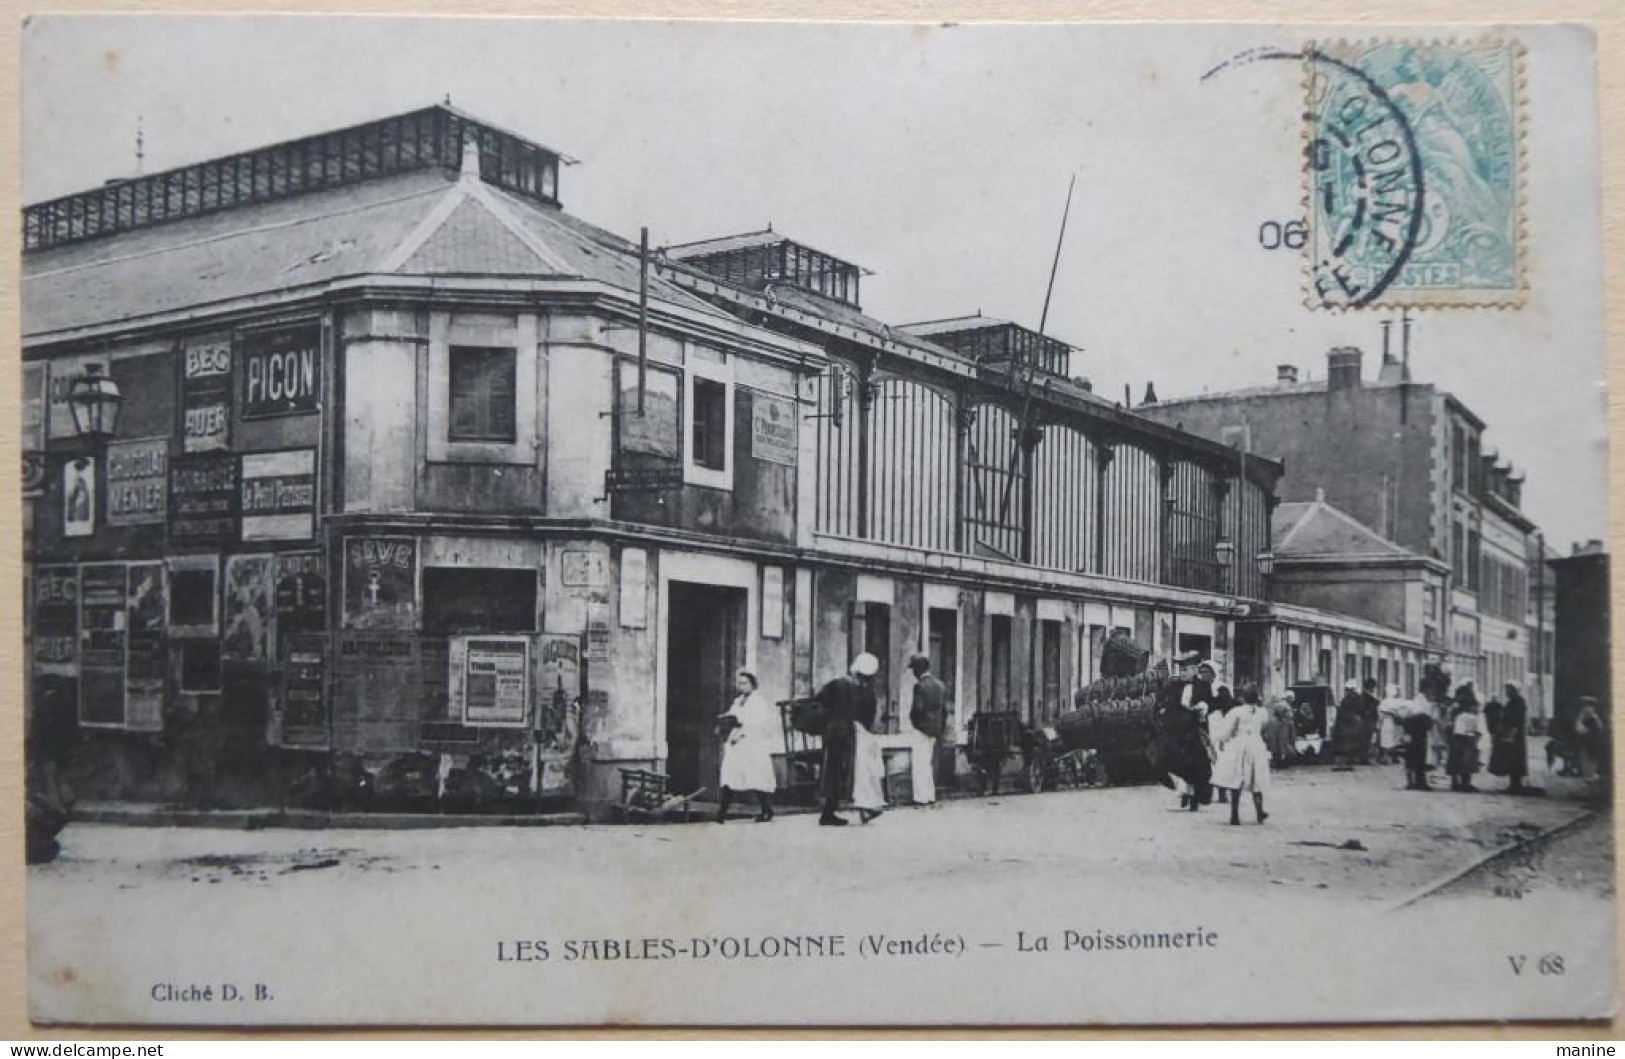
[[752, 732], [1390, 733], [928, 713], [1223, 703], [1509, 748], [1244, 761], [1465, 728], [1186, 752], [1417, 724], [848, 702], [1347, 729]]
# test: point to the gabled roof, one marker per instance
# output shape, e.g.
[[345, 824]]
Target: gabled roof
[[1315, 530], [420, 223]]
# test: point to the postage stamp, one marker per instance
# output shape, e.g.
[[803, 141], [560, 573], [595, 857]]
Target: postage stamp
[[1415, 185]]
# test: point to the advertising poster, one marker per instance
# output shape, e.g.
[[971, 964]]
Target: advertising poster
[[301, 594], [206, 394], [304, 691], [146, 655], [79, 496], [56, 620], [376, 692], [138, 482], [380, 582], [250, 609], [490, 680], [203, 499], [558, 713], [102, 618], [773, 429], [280, 371], [279, 495], [36, 380]]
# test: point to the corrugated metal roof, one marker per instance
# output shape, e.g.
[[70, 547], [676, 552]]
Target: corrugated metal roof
[[220, 256], [319, 237]]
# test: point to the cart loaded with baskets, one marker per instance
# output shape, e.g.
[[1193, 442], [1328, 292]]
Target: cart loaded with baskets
[[1110, 736]]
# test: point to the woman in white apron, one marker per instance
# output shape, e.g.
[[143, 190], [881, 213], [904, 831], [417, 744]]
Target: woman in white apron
[[753, 733]]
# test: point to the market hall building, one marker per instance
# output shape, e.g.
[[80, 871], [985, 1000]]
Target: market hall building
[[358, 457]]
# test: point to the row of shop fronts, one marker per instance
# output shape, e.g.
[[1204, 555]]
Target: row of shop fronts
[[546, 663]]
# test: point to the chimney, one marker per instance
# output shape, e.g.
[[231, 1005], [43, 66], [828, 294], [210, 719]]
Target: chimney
[[1150, 394], [1286, 374], [1343, 369]]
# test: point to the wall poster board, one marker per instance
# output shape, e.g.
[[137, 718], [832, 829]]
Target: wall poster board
[[36, 381], [55, 626], [304, 690], [146, 654], [138, 482], [558, 714], [281, 371], [301, 594], [773, 434], [279, 495], [102, 618], [203, 499], [380, 582], [206, 394], [250, 609], [79, 496], [376, 693], [490, 680], [194, 595]]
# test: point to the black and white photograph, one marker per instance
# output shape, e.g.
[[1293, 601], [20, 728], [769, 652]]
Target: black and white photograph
[[542, 521]]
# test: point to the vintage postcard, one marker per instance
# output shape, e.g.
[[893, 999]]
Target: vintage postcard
[[539, 522]]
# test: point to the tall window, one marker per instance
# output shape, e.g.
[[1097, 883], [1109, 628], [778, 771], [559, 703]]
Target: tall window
[[1050, 691], [482, 394], [1474, 557], [709, 420], [1458, 458]]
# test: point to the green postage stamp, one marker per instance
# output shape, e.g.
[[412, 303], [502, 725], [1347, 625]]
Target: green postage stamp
[[1415, 176]]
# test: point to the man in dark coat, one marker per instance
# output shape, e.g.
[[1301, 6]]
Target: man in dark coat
[[1370, 711], [1184, 749], [928, 713], [846, 699], [1509, 749], [1348, 729]]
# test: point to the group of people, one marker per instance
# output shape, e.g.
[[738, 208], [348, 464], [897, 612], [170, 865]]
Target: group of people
[[853, 771], [1442, 729], [1214, 744]]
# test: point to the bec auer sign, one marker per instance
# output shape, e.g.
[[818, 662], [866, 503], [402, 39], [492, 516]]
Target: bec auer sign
[[281, 371]]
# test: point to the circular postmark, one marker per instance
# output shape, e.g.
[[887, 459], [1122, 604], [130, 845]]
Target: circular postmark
[[1366, 185], [1365, 194]]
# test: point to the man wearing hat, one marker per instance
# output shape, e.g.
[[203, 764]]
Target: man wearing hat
[[928, 714], [846, 699]]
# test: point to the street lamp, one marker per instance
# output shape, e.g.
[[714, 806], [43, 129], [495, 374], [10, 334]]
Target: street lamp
[[94, 399], [1266, 562], [1224, 550]]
